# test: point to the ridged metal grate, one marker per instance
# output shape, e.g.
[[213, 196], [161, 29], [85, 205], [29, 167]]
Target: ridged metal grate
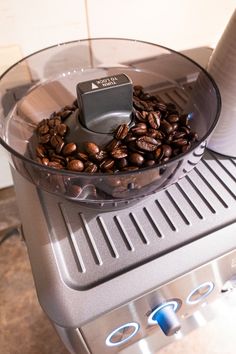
[[92, 247]]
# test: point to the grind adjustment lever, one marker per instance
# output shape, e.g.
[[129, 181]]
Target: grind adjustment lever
[[105, 103]]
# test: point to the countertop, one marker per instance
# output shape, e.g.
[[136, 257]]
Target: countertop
[[25, 328]]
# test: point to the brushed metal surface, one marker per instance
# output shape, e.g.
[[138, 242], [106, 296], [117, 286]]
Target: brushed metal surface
[[217, 272], [100, 246]]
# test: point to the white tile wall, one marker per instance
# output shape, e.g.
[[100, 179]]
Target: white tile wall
[[27, 26]]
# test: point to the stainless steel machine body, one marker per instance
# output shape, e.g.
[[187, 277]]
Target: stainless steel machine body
[[102, 277]]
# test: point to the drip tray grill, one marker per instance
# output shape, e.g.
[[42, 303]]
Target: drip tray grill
[[91, 247]]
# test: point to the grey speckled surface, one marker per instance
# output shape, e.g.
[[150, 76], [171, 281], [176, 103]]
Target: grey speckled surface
[[26, 330]]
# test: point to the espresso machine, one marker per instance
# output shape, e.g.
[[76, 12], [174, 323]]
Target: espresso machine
[[123, 262]]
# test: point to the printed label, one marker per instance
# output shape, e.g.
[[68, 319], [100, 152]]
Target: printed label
[[103, 82]]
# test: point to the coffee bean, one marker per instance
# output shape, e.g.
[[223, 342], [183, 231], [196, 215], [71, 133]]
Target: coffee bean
[[122, 163], [69, 149], [154, 119], [119, 153], [41, 151], [45, 161], [55, 164], [130, 137], [141, 116], [61, 129], [186, 147], [121, 132], [157, 133], [166, 127], [167, 150], [60, 146], [180, 142], [158, 153], [65, 114], [74, 191], [147, 143], [43, 129], [44, 139], [90, 167], [91, 148], [82, 156], [139, 129], [113, 144], [55, 140], [136, 159], [101, 155], [184, 119], [173, 118], [75, 165], [149, 163], [107, 164]]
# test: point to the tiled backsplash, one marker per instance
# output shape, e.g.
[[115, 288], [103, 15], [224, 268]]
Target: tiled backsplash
[[27, 26]]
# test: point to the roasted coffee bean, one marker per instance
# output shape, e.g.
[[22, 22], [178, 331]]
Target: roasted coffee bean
[[90, 167], [55, 140], [176, 151], [119, 153], [171, 107], [161, 106], [43, 129], [140, 105], [184, 119], [146, 143], [180, 142], [91, 148], [167, 150], [56, 165], [75, 165], [139, 129], [122, 163], [107, 164], [175, 126], [44, 139], [54, 121], [45, 161], [57, 157], [121, 132], [74, 191], [101, 155], [82, 156], [60, 146], [130, 137], [69, 149], [166, 127], [179, 134], [41, 151], [173, 118], [185, 129], [141, 116], [158, 153], [149, 163], [134, 148], [193, 136], [113, 144], [136, 159], [61, 129], [158, 131], [154, 119], [130, 168], [65, 114], [185, 148]]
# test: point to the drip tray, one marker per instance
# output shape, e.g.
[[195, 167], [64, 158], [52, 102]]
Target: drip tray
[[92, 247]]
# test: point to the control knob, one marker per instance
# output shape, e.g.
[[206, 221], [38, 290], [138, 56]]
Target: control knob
[[165, 316]]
